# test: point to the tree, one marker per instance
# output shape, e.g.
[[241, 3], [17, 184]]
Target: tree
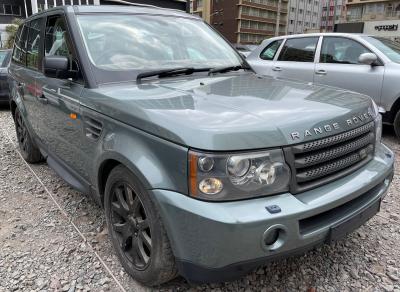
[[11, 31]]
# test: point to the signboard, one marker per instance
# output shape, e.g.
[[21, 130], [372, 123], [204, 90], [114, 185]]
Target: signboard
[[384, 28]]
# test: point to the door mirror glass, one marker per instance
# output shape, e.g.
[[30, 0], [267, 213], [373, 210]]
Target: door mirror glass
[[56, 67], [368, 59]]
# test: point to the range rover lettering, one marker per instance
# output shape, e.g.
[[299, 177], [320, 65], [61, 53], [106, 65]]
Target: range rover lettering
[[204, 168]]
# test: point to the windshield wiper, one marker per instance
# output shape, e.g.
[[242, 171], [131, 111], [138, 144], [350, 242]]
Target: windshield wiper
[[170, 72], [226, 69]]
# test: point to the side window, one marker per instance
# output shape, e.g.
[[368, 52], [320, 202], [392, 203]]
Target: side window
[[299, 49], [32, 58], [57, 42], [270, 51], [19, 53], [341, 50]]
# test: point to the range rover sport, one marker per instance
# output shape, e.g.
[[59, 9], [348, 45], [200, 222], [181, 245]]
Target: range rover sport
[[204, 168]]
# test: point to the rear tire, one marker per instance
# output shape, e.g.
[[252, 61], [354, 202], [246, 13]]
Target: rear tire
[[136, 230], [28, 149], [396, 124]]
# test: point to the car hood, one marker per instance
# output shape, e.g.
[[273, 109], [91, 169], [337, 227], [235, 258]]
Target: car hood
[[231, 111]]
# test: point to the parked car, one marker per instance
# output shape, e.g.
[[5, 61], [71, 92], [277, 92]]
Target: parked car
[[5, 56], [245, 50], [203, 167], [357, 62]]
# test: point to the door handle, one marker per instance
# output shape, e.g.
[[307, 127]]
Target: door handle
[[277, 69], [320, 72], [43, 99]]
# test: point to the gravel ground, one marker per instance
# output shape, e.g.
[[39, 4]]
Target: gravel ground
[[53, 238]]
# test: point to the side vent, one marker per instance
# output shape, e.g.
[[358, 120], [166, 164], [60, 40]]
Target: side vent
[[93, 128]]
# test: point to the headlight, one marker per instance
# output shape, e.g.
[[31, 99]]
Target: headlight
[[227, 176]]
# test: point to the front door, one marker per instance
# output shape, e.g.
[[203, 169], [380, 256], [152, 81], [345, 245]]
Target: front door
[[296, 59], [61, 124], [338, 66]]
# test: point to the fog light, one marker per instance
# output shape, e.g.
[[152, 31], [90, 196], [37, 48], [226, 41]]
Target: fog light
[[210, 186]]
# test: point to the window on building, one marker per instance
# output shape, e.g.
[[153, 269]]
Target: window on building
[[299, 49], [340, 50], [270, 51], [33, 44]]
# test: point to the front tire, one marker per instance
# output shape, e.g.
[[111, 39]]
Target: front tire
[[136, 230], [28, 149]]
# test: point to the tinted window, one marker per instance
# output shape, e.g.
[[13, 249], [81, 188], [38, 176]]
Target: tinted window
[[4, 58], [299, 50], [57, 42], [270, 51], [19, 54], [33, 44], [341, 50]]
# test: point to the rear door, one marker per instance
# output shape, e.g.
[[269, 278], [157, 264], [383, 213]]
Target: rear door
[[296, 59], [262, 64], [23, 82], [338, 66]]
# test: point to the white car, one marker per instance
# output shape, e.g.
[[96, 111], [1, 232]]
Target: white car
[[357, 62]]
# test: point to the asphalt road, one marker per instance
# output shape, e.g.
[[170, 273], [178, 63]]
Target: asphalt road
[[53, 238]]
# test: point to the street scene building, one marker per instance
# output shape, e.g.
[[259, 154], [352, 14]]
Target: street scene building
[[332, 13], [244, 21], [376, 17], [303, 16]]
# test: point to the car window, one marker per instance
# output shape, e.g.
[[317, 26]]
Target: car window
[[57, 42], [299, 49], [270, 51], [153, 42], [33, 44], [19, 54], [390, 48], [341, 50], [4, 58]]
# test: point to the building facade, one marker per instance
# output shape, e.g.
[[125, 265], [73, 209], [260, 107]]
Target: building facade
[[244, 21], [332, 13], [375, 17], [303, 16]]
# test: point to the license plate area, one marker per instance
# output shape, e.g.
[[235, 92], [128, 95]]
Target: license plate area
[[342, 229]]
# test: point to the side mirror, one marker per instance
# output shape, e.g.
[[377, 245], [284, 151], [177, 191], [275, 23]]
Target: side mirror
[[56, 67], [368, 59]]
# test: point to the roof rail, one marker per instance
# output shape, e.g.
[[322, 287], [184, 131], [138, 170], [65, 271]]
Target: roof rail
[[139, 4]]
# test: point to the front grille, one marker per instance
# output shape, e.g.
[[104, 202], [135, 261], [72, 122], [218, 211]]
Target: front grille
[[321, 161]]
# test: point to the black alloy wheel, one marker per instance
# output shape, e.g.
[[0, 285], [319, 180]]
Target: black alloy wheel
[[130, 224], [28, 148]]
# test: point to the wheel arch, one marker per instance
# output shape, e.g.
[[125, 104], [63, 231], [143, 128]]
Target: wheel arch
[[393, 111], [107, 164]]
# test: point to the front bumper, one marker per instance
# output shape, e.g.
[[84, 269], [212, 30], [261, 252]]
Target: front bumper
[[215, 242]]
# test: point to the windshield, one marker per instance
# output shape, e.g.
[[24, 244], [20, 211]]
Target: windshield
[[4, 58], [149, 42], [390, 48]]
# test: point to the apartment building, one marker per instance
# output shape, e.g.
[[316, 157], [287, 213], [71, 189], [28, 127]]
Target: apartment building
[[244, 21], [376, 17], [332, 13], [303, 16]]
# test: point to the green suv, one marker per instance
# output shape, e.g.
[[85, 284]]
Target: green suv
[[204, 168]]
